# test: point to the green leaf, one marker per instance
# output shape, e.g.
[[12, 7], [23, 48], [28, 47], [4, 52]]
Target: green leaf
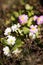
[[12, 18], [29, 14], [25, 30], [18, 44], [37, 33], [32, 12], [29, 21], [20, 12], [16, 14], [3, 41], [28, 7]]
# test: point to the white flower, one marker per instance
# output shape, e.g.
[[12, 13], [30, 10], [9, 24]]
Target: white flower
[[18, 25], [32, 35], [15, 27], [17, 51], [6, 51], [7, 31], [11, 40]]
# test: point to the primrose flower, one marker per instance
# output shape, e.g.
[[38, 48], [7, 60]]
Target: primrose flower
[[11, 40], [7, 31], [32, 35], [35, 18], [40, 20], [15, 27], [6, 51], [17, 51], [23, 19], [33, 29]]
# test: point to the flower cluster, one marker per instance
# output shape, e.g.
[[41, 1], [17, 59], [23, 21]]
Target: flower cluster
[[39, 19], [12, 28], [27, 24], [11, 40]]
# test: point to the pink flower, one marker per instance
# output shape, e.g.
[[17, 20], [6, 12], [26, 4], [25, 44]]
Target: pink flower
[[40, 20], [33, 29], [23, 19], [35, 18]]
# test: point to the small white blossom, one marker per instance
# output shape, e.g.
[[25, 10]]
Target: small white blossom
[[6, 51], [15, 27], [17, 51], [11, 40], [18, 25], [32, 35], [7, 31]]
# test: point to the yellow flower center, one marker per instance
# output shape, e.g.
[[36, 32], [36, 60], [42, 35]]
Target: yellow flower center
[[22, 18], [11, 41], [33, 28]]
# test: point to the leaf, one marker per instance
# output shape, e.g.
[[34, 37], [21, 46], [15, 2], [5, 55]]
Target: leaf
[[12, 18], [25, 30], [18, 44], [28, 7], [3, 41], [32, 12], [37, 34], [29, 21], [16, 14], [29, 14]]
